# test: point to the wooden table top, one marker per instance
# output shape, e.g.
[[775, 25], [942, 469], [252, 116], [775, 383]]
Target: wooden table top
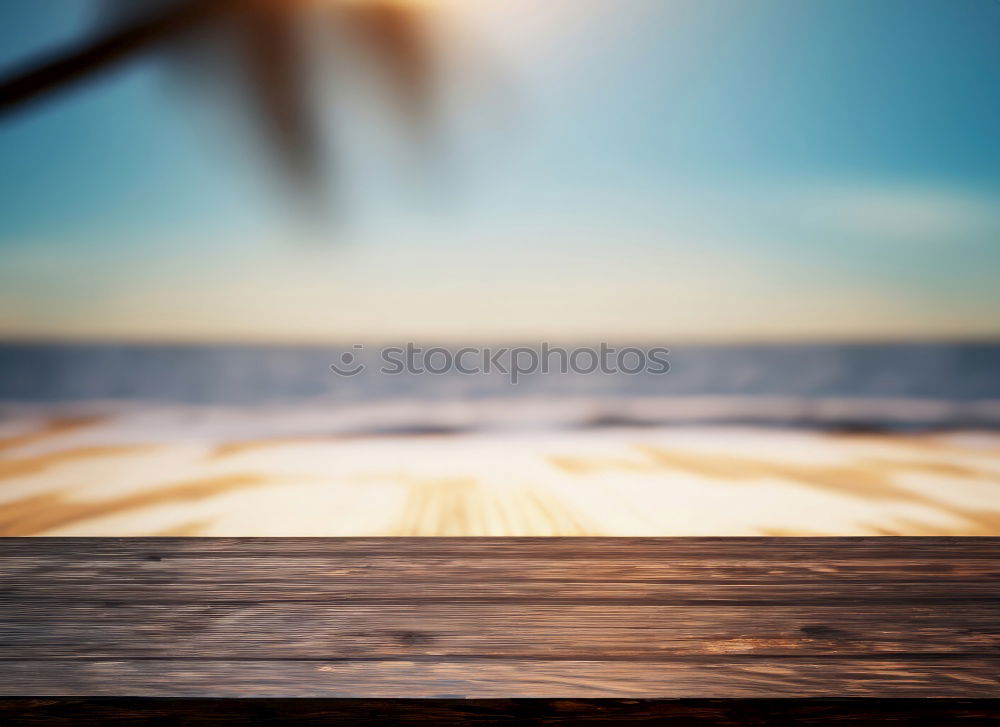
[[567, 618]]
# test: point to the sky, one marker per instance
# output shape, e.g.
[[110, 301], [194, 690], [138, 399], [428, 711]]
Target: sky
[[649, 170]]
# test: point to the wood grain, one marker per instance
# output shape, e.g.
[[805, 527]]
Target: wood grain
[[782, 549], [327, 631], [500, 619], [489, 677]]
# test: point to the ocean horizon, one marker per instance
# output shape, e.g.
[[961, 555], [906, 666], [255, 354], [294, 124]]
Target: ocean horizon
[[855, 385]]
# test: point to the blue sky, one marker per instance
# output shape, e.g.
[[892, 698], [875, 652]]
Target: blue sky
[[644, 169]]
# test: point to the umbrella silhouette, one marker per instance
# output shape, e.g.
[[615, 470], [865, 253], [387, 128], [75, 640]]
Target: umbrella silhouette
[[265, 46]]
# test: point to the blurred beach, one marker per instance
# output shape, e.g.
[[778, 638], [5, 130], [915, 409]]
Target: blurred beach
[[268, 441]]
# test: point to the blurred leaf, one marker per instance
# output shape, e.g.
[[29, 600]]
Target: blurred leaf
[[274, 64], [258, 44], [399, 43]]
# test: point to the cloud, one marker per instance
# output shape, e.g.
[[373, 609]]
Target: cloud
[[900, 213]]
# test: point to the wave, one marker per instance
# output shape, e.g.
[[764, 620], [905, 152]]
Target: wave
[[413, 417]]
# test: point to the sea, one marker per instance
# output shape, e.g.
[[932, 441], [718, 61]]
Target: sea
[[851, 386]]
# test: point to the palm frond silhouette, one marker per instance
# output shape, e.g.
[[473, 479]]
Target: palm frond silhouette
[[268, 50]]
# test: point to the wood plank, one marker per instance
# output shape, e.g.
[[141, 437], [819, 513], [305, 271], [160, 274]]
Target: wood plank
[[916, 549], [713, 678], [325, 631], [178, 577], [259, 584], [403, 567]]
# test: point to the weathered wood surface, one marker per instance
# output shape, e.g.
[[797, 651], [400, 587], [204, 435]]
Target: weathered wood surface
[[481, 618]]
